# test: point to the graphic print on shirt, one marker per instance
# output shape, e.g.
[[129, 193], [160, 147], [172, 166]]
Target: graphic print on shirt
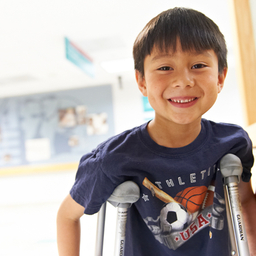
[[181, 217]]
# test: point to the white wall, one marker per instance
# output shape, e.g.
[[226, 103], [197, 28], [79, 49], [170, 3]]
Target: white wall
[[28, 209], [128, 108]]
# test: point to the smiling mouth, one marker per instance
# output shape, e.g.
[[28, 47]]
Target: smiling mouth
[[182, 101]]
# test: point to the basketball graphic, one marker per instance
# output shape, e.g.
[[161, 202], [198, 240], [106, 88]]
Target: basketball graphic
[[191, 198]]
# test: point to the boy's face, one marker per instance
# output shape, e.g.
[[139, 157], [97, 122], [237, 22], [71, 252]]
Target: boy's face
[[181, 86]]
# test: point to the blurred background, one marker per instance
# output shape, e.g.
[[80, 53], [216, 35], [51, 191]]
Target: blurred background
[[67, 83]]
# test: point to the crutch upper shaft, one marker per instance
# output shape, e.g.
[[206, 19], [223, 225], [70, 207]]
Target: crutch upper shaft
[[231, 169]]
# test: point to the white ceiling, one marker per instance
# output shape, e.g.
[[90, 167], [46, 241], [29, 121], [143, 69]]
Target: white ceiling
[[32, 32]]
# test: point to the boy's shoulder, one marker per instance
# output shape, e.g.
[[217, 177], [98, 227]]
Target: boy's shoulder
[[137, 139], [224, 128], [125, 138], [227, 133], [130, 138]]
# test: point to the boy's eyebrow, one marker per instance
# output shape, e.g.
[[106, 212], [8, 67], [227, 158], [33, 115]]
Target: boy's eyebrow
[[159, 56], [204, 53], [166, 55]]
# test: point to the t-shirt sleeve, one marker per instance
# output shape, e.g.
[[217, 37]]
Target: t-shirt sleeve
[[244, 152], [92, 186]]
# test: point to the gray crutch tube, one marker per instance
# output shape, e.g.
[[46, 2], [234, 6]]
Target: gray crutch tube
[[100, 230], [123, 197], [231, 169]]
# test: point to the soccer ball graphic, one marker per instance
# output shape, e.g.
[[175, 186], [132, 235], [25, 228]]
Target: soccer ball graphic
[[174, 217]]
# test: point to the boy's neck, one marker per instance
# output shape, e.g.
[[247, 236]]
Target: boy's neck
[[173, 135]]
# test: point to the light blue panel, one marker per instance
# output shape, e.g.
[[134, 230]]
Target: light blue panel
[[79, 59], [146, 105]]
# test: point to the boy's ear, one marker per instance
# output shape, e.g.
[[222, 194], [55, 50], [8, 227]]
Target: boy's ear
[[221, 79], [141, 82]]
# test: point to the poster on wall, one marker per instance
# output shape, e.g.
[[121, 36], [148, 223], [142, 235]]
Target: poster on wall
[[54, 127]]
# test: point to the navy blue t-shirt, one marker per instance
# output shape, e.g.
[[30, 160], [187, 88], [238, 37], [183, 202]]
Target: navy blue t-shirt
[[184, 213]]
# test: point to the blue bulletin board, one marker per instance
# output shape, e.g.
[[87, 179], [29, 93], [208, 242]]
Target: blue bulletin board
[[56, 127]]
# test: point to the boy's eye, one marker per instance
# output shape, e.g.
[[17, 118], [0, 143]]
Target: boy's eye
[[198, 66], [165, 68]]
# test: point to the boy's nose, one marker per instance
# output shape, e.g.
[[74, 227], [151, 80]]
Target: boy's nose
[[183, 79]]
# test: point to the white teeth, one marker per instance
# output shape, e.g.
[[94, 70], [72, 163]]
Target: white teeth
[[183, 101]]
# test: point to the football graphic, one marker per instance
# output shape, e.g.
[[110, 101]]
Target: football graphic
[[174, 217]]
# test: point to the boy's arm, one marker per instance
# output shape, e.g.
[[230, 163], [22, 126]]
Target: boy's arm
[[248, 201], [68, 227]]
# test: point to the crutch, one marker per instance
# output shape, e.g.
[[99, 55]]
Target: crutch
[[123, 197], [231, 169]]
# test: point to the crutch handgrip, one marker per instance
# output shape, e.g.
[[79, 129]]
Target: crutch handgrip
[[231, 169]]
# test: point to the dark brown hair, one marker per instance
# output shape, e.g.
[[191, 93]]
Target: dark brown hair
[[194, 30]]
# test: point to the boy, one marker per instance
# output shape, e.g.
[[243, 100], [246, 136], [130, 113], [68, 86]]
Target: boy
[[180, 65]]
